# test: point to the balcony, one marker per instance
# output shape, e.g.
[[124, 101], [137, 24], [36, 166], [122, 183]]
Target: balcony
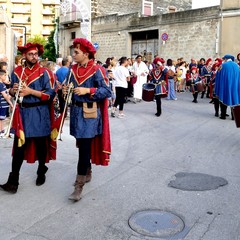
[[48, 22], [20, 1], [19, 21], [21, 10], [48, 12], [69, 18], [46, 32], [51, 2]]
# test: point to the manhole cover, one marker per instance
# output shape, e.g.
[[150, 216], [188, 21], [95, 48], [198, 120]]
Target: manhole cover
[[156, 223], [197, 182]]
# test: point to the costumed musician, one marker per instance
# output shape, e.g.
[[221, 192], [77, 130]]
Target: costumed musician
[[89, 122], [195, 83], [215, 100], [32, 116], [227, 85], [159, 77], [206, 72]]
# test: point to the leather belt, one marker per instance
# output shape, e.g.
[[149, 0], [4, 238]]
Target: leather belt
[[80, 104], [35, 104]]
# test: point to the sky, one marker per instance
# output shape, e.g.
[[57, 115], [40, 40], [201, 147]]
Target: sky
[[204, 3]]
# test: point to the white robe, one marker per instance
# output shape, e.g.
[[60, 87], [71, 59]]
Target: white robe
[[141, 71]]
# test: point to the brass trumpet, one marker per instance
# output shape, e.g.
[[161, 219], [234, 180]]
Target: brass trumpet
[[17, 99], [67, 99]]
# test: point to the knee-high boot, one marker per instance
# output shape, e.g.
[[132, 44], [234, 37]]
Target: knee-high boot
[[42, 169], [79, 183], [216, 106], [223, 110], [12, 183]]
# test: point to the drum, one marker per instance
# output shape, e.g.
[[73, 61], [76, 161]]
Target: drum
[[236, 115], [200, 87], [148, 92]]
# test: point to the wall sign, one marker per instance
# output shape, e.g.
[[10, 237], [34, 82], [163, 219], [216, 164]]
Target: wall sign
[[164, 36]]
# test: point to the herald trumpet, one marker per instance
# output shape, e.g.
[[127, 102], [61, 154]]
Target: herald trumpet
[[17, 99], [67, 98]]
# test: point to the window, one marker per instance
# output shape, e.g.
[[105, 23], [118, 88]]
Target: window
[[147, 8], [73, 35]]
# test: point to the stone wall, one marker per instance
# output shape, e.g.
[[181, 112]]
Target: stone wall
[[191, 33], [124, 7]]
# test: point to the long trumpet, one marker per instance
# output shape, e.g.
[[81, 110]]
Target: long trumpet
[[67, 99], [7, 134]]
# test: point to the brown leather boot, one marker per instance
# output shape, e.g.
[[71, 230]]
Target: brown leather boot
[[12, 183], [89, 175], [80, 181]]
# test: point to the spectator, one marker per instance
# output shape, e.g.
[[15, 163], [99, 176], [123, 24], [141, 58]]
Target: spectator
[[122, 76], [141, 72], [5, 100]]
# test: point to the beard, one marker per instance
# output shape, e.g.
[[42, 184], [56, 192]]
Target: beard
[[30, 63]]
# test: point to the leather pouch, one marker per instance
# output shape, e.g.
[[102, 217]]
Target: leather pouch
[[90, 110]]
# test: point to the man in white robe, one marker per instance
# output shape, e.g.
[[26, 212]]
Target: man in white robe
[[140, 70]]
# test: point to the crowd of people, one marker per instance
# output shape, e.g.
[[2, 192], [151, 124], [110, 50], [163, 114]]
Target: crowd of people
[[38, 93], [129, 76]]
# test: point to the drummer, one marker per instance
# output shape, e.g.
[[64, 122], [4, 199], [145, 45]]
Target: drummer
[[159, 77], [206, 73], [195, 80]]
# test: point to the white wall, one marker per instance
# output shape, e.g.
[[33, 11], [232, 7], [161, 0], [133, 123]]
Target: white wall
[[204, 3]]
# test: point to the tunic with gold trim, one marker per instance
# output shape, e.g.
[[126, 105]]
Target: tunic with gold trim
[[34, 111], [89, 76]]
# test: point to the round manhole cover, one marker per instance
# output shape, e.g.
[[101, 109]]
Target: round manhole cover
[[156, 223]]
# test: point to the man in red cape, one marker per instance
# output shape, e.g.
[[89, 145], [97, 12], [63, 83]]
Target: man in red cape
[[33, 116], [89, 122]]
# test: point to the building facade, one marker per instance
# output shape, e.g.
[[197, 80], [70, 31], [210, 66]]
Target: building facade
[[205, 32], [70, 24], [29, 18]]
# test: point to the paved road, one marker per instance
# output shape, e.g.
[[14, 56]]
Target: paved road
[[146, 154]]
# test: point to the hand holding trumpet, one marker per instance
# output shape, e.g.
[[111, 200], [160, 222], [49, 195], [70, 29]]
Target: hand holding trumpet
[[78, 90], [23, 89]]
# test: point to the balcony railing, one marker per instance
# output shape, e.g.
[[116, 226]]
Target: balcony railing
[[51, 2], [48, 12], [46, 32], [48, 22], [19, 20], [20, 10], [20, 1]]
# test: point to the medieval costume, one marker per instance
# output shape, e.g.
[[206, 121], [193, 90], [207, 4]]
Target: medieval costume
[[89, 122], [159, 77], [206, 72], [196, 83], [227, 86], [32, 117], [215, 100]]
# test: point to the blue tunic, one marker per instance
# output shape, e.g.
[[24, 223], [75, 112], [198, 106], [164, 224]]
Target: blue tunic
[[81, 127], [36, 120], [227, 86], [158, 77]]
